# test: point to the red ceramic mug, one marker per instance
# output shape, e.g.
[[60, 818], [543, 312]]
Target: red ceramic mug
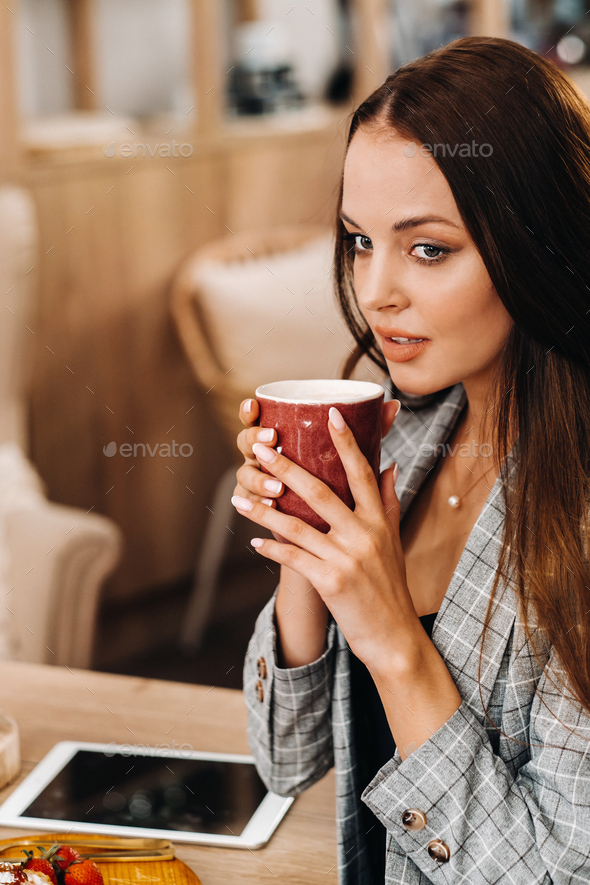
[[298, 411]]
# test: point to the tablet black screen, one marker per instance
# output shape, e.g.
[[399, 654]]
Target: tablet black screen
[[157, 792]]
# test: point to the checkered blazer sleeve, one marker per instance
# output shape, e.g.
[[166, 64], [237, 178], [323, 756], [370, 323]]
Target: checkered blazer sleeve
[[289, 711], [527, 826]]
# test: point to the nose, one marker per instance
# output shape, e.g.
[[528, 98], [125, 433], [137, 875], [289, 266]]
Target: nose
[[382, 284]]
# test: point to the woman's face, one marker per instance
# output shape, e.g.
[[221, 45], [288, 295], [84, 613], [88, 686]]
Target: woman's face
[[417, 273]]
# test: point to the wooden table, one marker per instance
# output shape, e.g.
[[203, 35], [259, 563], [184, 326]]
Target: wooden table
[[52, 704]]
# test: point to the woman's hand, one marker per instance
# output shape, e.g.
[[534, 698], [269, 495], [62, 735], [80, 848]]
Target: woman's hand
[[358, 567], [253, 484]]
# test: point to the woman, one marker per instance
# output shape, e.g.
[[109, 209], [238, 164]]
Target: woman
[[434, 645]]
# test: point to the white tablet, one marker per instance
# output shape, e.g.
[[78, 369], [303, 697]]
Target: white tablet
[[210, 798]]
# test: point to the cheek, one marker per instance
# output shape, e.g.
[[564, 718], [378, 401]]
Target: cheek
[[474, 321], [468, 301], [467, 316], [360, 273], [359, 270]]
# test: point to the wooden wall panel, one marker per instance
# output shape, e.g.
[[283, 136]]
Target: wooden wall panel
[[116, 236], [8, 114], [81, 15], [294, 184]]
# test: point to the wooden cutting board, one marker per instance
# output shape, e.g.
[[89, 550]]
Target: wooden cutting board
[[116, 871]]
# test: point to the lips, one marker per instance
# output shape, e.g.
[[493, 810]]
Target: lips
[[400, 346], [406, 340], [399, 335]]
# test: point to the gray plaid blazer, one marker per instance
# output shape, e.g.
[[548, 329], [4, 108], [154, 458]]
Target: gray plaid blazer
[[513, 807]]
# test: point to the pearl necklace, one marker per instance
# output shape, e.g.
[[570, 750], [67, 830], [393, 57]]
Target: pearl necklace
[[454, 501]]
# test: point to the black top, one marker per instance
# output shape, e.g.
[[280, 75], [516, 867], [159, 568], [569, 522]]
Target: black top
[[375, 747]]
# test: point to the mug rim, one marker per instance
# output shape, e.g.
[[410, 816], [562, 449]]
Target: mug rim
[[367, 390]]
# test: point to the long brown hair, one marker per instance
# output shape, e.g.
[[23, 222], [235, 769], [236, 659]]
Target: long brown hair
[[526, 207]]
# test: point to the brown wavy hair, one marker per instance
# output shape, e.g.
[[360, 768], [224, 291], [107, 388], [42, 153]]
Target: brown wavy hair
[[526, 207]]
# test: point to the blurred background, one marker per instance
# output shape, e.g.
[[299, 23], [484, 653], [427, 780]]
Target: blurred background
[[168, 180]]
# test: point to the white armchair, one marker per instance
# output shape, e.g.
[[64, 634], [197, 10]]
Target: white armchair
[[53, 558]]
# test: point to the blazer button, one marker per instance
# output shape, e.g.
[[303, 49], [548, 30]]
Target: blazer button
[[438, 851], [261, 668], [259, 691], [413, 819]]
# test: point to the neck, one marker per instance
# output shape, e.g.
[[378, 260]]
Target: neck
[[474, 430], [481, 413]]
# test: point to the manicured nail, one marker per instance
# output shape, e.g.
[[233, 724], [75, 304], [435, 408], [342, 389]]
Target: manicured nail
[[248, 405], [241, 503], [267, 501], [265, 435], [264, 453], [336, 419], [395, 473], [399, 405], [257, 542], [273, 485]]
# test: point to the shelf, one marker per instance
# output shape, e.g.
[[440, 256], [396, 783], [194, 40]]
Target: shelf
[[310, 118]]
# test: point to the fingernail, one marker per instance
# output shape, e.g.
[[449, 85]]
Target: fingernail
[[248, 405], [395, 473], [257, 542], [399, 405], [241, 503], [273, 485], [265, 435], [264, 453], [267, 501], [336, 419]]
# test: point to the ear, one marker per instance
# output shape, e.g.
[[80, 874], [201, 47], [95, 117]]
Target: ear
[[389, 497]]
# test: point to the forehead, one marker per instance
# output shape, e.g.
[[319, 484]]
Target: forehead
[[382, 171]]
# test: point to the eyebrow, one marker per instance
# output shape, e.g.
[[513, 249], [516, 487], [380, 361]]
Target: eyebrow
[[407, 223]]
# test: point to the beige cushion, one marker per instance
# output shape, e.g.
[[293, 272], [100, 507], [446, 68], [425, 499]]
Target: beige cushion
[[275, 318]]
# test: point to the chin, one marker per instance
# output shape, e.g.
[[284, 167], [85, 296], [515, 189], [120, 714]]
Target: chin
[[416, 385]]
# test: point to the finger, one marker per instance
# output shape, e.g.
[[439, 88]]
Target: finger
[[390, 413], [293, 557], [249, 412], [391, 505], [314, 492], [247, 438], [291, 528], [254, 480], [361, 479], [246, 493]]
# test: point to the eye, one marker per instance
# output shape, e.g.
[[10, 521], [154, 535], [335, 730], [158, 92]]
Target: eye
[[429, 257], [361, 243]]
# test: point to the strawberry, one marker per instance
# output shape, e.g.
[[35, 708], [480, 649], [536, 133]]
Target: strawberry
[[60, 856], [83, 872], [39, 865]]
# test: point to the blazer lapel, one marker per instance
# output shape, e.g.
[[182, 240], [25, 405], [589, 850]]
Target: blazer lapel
[[457, 631], [416, 442]]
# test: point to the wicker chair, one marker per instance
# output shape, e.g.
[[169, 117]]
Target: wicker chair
[[235, 288]]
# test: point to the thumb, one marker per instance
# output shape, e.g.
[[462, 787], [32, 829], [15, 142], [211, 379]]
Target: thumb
[[389, 498]]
